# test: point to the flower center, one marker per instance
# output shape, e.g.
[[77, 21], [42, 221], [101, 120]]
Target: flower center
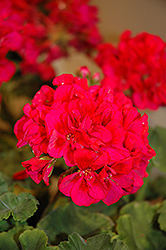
[[86, 172], [69, 136]]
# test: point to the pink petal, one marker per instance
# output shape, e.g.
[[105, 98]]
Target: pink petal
[[130, 117], [46, 71], [117, 153], [57, 145], [123, 166], [27, 109], [86, 123], [117, 131], [97, 189], [43, 96], [138, 182], [21, 175], [133, 141], [7, 70], [66, 183], [53, 121], [101, 160], [79, 193], [47, 172], [63, 93], [13, 41], [115, 192], [69, 156], [84, 158], [101, 133], [125, 181], [35, 176], [63, 79]]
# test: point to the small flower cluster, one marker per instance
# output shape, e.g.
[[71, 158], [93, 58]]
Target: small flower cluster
[[39, 38], [80, 19], [138, 66], [100, 135]]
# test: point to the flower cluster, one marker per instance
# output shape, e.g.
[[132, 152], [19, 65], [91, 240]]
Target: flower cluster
[[40, 31], [100, 135], [138, 66]]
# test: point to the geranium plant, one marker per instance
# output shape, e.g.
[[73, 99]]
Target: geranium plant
[[88, 172], [101, 134]]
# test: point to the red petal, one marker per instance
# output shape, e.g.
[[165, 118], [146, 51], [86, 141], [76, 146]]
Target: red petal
[[21, 175], [66, 184], [84, 158], [57, 145], [123, 166], [102, 133], [115, 192], [79, 193], [63, 79], [7, 70], [97, 189]]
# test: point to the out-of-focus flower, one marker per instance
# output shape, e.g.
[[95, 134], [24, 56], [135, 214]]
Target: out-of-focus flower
[[41, 31], [20, 175], [84, 72], [137, 66]]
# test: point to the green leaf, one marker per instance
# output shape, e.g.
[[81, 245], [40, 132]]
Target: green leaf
[[135, 227], [98, 242], [156, 187], [9, 240], [52, 248], [119, 244], [4, 225], [70, 218], [162, 216], [21, 207], [101, 207], [33, 240], [157, 139]]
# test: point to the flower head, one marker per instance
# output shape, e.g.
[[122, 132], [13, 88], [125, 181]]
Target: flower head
[[137, 66], [40, 32], [101, 136]]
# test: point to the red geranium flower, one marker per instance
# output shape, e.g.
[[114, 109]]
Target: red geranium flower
[[85, 186], [137, 66], [101, 136], [40, 38]]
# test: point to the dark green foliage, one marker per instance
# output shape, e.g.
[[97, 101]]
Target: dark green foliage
[[126, 225], [157, 140], [71, 218], [135, 227], [98, 242]]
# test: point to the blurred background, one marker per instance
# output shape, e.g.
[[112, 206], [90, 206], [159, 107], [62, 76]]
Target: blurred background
[[136, 15], [115, 17]]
